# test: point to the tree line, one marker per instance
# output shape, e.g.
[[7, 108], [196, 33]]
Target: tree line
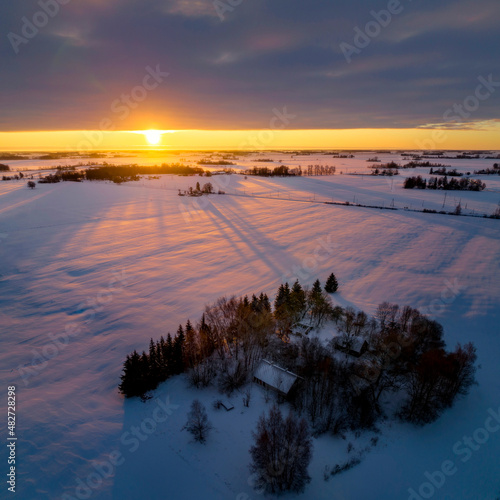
[[126, 173], [463, 184]]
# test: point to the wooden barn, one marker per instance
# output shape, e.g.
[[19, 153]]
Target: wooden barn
[[274, 377]]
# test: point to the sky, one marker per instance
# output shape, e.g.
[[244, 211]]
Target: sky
[[341, 69]]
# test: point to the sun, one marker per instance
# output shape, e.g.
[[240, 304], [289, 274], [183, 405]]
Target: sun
[[152, 136]]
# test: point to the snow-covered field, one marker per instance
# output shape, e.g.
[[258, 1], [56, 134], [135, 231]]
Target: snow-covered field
[[90, 271]]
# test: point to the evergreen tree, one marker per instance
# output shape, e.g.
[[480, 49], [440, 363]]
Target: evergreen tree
[[168, 355], [207, 344], [298, 301], [264, 300], [161, 353], [319, 304], [316, 290], [255, 304], [190, 347], [283, 309], [332, 284], [178, 351], [146, 381], [154, 365], [131, 378]]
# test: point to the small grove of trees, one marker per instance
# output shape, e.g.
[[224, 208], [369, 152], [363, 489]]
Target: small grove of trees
[[405, 367], [16, 177], [230, 338], [463, 184], [126, 173], [293, 305], [4, 168], [281, 453], [389, 172], [315, 170], [73, 176], [197, 422], [406, 370], [143, 372], [488, 171], [207, 188], [442, 171], [281, 171], [434, 381]]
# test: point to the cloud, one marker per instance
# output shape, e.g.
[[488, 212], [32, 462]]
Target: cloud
[[191, 8], [478, 125], [231, 74]]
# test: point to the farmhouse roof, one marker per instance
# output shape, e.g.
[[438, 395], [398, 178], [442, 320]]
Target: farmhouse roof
[[275, 376]]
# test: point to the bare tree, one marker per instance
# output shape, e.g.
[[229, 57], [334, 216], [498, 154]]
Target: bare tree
[[198, 424], [282, 452]]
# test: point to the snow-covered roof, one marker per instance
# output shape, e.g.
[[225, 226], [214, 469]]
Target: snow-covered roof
[[275, 376], [355, 345]]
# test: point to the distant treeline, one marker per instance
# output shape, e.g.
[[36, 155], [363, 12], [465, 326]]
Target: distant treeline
[[284, 171], [414, 164], [214, 162], [118, 173], [132, 172], [281, 171], [443, 183], [411, 164], [385, 171], [442, 171], [489, 171]]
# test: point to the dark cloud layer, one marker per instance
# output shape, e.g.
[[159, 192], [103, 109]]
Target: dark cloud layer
[[230, 74]]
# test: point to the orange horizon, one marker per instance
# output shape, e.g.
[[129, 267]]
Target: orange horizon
[[266, 139]]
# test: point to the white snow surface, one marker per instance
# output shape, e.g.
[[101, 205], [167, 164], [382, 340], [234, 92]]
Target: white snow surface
[[114, 265]]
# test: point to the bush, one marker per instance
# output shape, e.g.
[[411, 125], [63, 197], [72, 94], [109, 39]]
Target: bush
[[198, 424]]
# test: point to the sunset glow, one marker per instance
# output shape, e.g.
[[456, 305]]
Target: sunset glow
[[417, 139], [153, 136]]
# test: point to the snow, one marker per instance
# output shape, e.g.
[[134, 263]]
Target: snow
[[275, 376], [91, 271]]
